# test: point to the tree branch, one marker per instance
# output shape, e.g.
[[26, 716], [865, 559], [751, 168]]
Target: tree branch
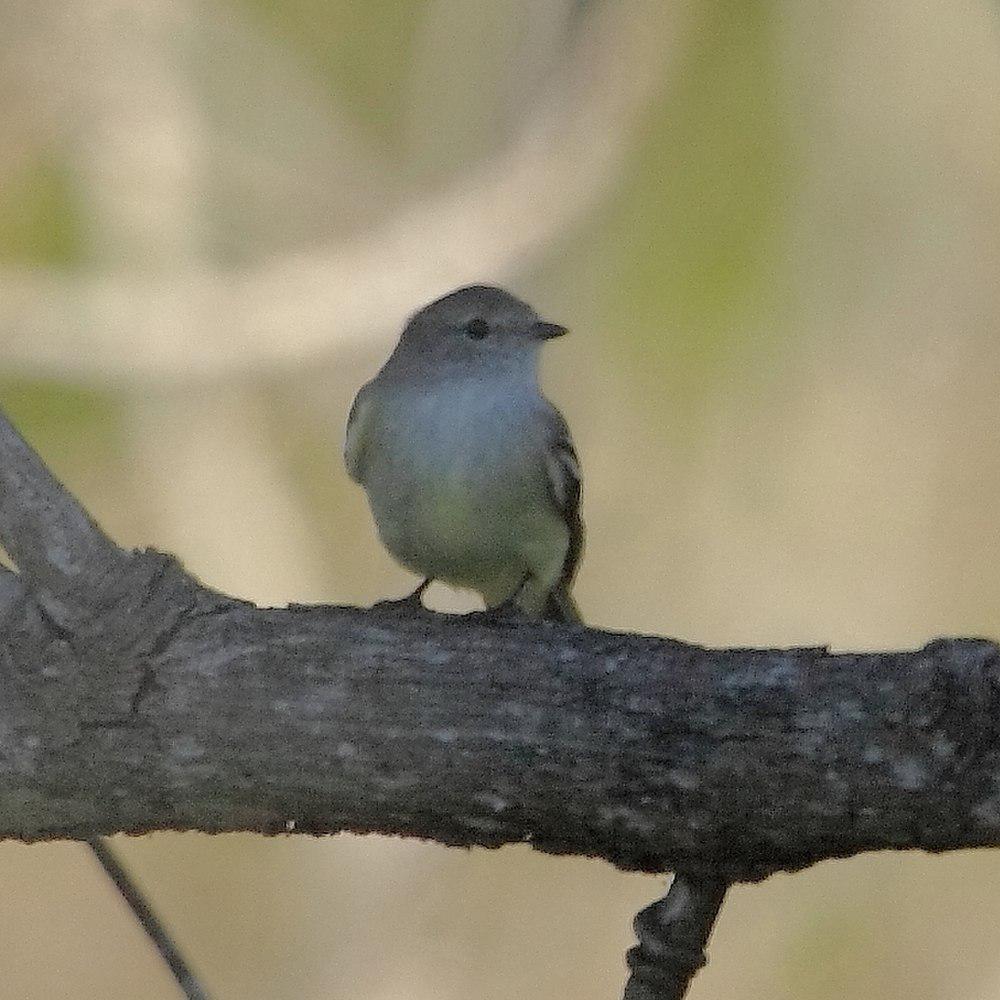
[[672, 934], [57, 547], [134, 699], [198, 323], [648, 753], [653, 754], [148, 920], [73, 568]]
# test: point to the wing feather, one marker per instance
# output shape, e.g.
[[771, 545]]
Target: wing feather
[[355, 439], [563, 468]]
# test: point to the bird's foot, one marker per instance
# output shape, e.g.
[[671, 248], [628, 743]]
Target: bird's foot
[[412, 604]]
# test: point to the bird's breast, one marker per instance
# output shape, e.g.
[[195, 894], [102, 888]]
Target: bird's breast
[[450, 477]]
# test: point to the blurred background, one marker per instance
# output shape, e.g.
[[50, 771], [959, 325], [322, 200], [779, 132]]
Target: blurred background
[[774, 229]]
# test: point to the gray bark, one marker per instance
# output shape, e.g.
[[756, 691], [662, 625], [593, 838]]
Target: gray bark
[[134, 699]]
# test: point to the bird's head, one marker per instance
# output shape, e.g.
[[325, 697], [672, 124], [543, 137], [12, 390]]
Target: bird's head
[[477, 327]]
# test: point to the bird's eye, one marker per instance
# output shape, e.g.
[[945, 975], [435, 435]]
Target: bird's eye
[[477, 329]]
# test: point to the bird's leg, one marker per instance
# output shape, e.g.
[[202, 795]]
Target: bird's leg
[[411, 604], [417, 595]]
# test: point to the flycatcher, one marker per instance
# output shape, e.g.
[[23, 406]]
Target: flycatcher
[[470, 472]]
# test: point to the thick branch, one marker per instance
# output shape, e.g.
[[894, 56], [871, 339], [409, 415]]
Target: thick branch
[[173, 707], [649, 753]]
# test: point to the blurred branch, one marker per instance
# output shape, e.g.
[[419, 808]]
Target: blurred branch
[[198, 322]]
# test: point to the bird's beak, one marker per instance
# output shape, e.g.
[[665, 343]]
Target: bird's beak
[[547, 331]]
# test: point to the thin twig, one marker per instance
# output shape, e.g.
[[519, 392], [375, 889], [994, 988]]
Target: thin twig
[[148, 920]]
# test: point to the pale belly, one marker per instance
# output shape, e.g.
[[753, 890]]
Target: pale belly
[[466, 505]]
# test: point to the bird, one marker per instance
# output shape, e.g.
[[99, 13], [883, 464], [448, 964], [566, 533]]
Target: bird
[[470, 472]]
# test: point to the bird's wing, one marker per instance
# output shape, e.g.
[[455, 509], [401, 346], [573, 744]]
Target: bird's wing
[[563, 468], [355, 440]]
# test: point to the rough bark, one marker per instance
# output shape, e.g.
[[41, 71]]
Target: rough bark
[[134, 699]]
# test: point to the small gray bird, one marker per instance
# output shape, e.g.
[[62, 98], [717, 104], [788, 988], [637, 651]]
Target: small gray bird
[[469, 470]]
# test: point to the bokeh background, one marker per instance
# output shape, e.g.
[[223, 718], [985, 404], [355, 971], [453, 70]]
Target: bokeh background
[[774, 229]]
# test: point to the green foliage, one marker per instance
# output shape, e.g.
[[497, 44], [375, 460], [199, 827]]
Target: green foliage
[[694, 233], [39, 223], [62, 422]]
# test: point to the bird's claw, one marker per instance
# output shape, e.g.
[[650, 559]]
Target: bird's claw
[[412, 604]]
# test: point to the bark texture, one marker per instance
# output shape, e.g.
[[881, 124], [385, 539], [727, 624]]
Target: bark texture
[[134, 699]]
